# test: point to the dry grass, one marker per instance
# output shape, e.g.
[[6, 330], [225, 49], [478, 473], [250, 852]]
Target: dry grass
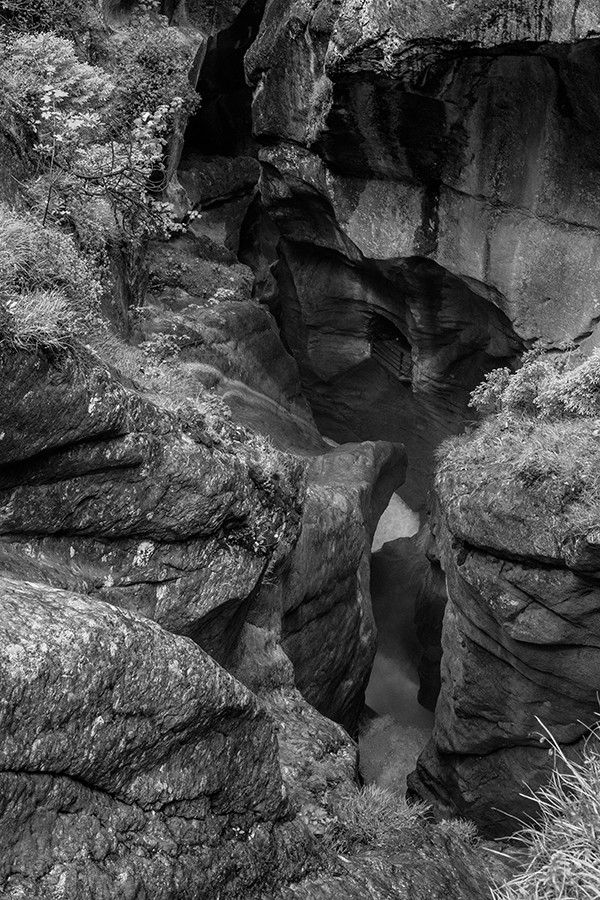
[[376, 818], [41, 319], [563, 852], [49, 292]]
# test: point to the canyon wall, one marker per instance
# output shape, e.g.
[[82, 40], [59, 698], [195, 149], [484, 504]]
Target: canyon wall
[[150, 568], [392, 206], [428, 179], [520, 645], [429, 208]]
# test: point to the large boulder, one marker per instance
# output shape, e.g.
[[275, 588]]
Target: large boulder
[[108, 494], [125, 749]]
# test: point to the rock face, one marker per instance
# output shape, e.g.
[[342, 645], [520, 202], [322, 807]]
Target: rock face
[[430, 176], [328, 630], [429, 208], [108, 494], [137, 552], [125, 748], [520, 641]]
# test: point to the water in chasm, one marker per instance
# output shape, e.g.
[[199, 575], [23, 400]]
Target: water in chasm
[[394, 727]]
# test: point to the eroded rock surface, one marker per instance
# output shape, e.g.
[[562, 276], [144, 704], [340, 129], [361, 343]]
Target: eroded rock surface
[[431, 167], [520, 648], [125, 750]]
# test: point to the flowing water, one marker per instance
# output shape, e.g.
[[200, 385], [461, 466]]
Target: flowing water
[[398, 727]]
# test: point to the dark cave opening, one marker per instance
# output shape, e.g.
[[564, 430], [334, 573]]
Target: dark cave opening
[[222, 125], [390, 348]]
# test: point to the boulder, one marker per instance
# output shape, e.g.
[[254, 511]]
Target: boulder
[[131, 763]]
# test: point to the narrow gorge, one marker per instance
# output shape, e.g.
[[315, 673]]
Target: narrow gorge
[[355, 211]]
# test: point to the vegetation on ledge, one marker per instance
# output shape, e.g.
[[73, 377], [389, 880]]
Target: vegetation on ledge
[[538, 440]]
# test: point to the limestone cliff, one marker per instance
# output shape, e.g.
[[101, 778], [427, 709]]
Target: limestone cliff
[[431, 181]]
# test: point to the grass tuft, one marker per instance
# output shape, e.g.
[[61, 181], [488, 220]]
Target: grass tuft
[[49, 291], [376, 818], [562, 853], [41, 319]]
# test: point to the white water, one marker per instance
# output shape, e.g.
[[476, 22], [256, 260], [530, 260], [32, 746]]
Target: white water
[[390, 743]]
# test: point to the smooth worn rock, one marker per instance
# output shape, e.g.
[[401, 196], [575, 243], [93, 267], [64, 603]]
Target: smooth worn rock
[[432, 165], [328, 630]]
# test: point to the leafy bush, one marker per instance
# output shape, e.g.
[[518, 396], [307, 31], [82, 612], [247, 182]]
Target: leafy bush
[[562, 854], [548, 386], [46, 15], [153, 67], [35, 66]]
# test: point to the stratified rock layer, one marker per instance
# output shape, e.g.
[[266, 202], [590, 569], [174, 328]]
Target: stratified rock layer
[[521, 648], [430, 202], [429, 172], [129, 757]]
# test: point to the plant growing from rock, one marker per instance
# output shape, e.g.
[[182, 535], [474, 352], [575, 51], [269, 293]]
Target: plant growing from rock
[[562, 852], [50, 291], [539, 433]]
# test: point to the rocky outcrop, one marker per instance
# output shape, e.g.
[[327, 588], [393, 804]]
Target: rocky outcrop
[[431, 169], [125, 750], [328, 630], [132, 762], [520, 648], [107, 494]]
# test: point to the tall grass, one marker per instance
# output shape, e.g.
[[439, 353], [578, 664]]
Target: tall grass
[[49, 291], [562, 853]]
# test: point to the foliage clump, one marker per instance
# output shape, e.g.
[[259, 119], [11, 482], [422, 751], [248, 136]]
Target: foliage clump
[[538, 441], [50, 292], [560, 857], [97, 136], [547, 386], [379, 819], [376, 817]]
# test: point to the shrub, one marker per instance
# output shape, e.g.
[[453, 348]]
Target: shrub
[[548, 386], [562, 854], [36, 65], [153, 68], [67, 16]]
